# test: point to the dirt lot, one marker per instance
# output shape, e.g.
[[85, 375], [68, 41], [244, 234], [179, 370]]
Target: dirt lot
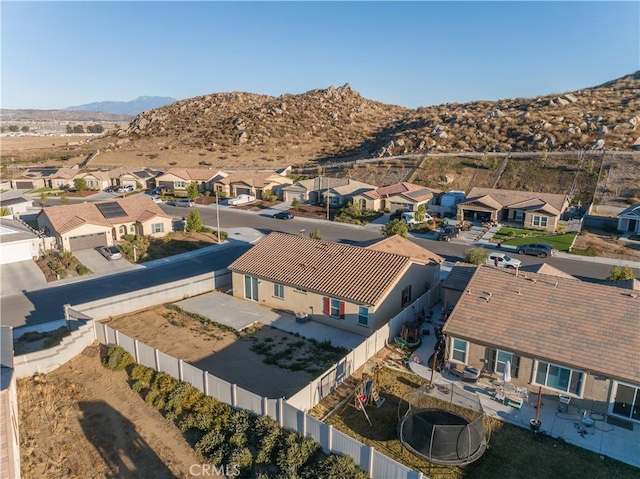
[[607, 245], [223, 353], [83, 421]]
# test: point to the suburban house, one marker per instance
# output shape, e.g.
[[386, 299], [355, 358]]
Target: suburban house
[[36, 178], [144, 178], [18, 242], [393, 197], [96, 180], [629, 219], [252, 183], [350, 287], [89, 225], [309, 191], [342, 194], [17, 205], [523, 208], [587, 350], [176, 179]]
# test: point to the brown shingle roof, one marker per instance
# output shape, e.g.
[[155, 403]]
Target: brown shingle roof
[[409, 190], [353, 273], [65, 218], [459, 276], [256, 179], [511, 198], [591, 327], [544, 268], [194, 174], [398, 245]]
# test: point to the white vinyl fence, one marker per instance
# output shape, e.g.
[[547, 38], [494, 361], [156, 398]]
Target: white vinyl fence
[[287, 415], [326, 383]]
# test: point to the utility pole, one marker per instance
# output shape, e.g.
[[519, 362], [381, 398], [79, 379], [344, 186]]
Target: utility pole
[[328, 199], [218, 215]]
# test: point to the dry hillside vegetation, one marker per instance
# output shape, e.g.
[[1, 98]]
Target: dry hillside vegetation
[[338, 123]]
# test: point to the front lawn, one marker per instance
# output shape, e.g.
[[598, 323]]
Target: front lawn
[[560, 242]]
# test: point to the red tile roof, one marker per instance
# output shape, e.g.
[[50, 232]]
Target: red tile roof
[[591, 327], [353, 273], [65, 218], [399, 245]]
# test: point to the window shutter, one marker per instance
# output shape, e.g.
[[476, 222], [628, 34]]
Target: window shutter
[[515, 366], [491, 358], [341, 309], [326, 306]]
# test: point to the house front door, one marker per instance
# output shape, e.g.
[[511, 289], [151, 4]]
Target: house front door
[[633, 224]]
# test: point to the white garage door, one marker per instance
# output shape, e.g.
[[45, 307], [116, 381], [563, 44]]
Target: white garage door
[[10, 253], [87, 241]]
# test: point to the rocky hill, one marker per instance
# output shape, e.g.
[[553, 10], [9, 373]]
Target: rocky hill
[[334, 123]]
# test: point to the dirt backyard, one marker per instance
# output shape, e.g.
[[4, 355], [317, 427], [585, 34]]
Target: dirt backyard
[[263, 360], [84, 421]]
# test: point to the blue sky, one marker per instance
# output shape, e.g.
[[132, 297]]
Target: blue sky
[[61, 54]]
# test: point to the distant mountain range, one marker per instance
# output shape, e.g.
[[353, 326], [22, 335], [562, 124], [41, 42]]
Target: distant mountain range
[[133, 107]]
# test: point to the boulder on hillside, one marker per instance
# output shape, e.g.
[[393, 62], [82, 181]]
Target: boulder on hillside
[[598, 144], [635, 146], [571, 98], [603, 129], [562, 101]]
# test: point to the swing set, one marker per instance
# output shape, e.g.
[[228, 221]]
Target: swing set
[[366, 394]]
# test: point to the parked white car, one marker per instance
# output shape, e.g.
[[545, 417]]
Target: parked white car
[[410, 218], [124, 189], [502, 260], [156, 199], [241, 199]]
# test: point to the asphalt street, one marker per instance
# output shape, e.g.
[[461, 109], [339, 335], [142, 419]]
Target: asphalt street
[[41, 305]]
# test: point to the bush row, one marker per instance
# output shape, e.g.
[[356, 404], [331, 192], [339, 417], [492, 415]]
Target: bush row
[[252, 446]]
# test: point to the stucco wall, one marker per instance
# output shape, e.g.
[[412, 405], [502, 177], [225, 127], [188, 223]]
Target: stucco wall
[[147, 231]]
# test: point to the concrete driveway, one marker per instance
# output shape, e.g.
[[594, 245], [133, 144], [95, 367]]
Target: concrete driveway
[[101, 265], [20, 276]]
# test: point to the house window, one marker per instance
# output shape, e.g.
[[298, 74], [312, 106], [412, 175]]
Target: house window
[[626, 401], [518, 215], [497, 359], [251, 287], [132, 228], [406, 296], [459, 352], [539, 220], [122, 230], [363, 316], [333, 307], [558, 377], [278, 290], [157, 228], [180, 184]]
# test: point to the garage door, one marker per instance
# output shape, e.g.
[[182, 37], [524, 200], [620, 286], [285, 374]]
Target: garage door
[[87, 241], [10, 253], [243, 191], [24, 185]]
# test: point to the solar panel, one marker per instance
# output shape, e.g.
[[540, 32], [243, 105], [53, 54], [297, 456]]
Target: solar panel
[[111, 210]]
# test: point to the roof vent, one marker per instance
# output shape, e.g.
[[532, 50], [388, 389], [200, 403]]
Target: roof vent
[[520, 292], [556, 285], [632, 295], [534, 280]]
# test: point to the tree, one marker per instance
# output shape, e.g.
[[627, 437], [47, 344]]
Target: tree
[[78, 129], [5, 211], [69, 129], [620, 273], [24, 129], [395, 227], [64, 200], [315, 234], [421, 213], [66, 258], [194, 222], [295, 202], [43, 199], [192, 190], [476, 256], [80, 184], [13, 128]]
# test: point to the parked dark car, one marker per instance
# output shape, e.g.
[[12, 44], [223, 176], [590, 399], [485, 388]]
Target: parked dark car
[[537, 249], [398, 213], [110, 252], [283, 215], [110, 189], [448, 232]]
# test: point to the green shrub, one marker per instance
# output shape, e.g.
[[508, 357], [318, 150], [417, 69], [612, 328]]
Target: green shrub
[[211, 441], [339, 467], [266, 433], [117, 359], [129, 237], [82, 270], [196, 421], [240, 461], [184, 396], [163, 385], [294, 451]]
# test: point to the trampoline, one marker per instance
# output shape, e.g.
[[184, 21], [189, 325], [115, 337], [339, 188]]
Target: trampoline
[[451, 433]]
